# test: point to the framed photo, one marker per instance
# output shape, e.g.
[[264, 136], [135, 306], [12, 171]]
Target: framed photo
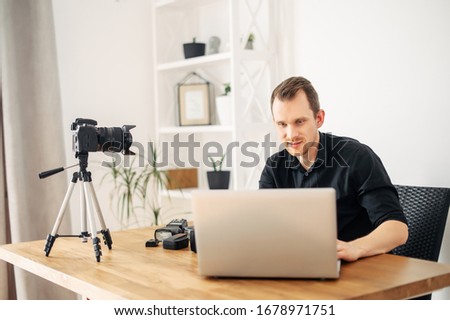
[[193, 101]]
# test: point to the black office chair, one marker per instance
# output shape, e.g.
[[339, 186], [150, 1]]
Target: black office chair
[[426, 209]]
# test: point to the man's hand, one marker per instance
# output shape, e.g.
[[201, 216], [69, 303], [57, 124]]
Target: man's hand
[[348, 252]]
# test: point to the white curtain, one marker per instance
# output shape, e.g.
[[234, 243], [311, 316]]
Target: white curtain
[[7, 291], [32, 135]]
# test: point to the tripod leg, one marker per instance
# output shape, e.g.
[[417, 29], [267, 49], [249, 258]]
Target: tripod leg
[[91, 218], [52, 236], [105, 231], [84, 233]]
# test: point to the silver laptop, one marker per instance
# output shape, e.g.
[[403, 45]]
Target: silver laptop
[[268, 233]]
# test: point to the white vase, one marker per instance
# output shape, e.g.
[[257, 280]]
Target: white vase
[[223, 110]]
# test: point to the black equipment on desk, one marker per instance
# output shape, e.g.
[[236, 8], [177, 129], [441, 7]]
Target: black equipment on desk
[[174, 236]]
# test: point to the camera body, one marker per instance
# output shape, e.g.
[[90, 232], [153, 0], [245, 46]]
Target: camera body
[[89, 138]]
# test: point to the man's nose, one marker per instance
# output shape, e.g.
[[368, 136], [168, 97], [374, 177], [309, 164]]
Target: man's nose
[[291, 132]]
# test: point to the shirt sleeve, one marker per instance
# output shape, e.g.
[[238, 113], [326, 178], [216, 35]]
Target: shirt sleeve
[[375, 191]]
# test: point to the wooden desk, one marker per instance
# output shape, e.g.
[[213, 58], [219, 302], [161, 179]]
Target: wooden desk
[[132, 271]]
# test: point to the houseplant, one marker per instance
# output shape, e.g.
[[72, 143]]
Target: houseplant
[[223, 106], [194, 49], [136, 189], [250, 40], [218, 178]]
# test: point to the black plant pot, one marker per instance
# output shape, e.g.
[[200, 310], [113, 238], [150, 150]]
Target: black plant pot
[[193, 49], [218, 179]]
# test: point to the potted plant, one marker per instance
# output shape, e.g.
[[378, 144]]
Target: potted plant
[[136, 189], [194, 49], [250, 40], [218, 178], [223, 106]]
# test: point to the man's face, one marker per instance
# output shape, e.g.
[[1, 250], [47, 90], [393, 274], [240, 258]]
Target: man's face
[[296, 125]]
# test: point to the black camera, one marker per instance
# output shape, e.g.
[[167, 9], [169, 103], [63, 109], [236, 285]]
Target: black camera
[[88, 138]]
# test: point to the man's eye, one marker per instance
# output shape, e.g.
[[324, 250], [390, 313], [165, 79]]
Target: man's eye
[[281, 125], [300, 121]]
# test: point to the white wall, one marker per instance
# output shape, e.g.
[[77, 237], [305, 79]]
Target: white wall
[[105, 63], [382, 71]]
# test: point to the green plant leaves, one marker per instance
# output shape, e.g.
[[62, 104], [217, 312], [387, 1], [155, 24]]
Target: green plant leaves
[[217, 164], [136, 187]]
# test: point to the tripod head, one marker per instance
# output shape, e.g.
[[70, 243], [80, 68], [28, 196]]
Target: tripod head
[[82, 163]]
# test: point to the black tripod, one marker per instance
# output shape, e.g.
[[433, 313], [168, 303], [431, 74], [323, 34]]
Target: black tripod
[[89, 202]]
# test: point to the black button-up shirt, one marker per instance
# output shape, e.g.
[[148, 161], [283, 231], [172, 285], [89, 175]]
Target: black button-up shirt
[[364, 192]]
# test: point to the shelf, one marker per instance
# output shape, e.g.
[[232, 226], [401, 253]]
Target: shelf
[[195, 129], [212, 59], [195, 62], [182, 4], [249, 73]]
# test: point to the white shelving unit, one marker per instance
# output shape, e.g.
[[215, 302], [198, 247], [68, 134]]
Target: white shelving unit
[[250, 73]]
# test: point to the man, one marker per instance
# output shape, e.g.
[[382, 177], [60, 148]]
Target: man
[[370, 218]]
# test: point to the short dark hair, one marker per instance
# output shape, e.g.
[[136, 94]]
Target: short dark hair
[[289, 88]]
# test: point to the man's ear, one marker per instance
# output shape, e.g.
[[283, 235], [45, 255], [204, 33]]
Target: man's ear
[[320, 118]]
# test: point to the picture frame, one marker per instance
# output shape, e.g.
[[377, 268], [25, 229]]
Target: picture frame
[[194, 106]]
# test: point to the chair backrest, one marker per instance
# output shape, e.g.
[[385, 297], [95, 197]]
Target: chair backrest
[[426, 209]]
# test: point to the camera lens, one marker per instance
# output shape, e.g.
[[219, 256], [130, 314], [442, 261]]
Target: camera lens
[[127, 137], [110, 139]]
